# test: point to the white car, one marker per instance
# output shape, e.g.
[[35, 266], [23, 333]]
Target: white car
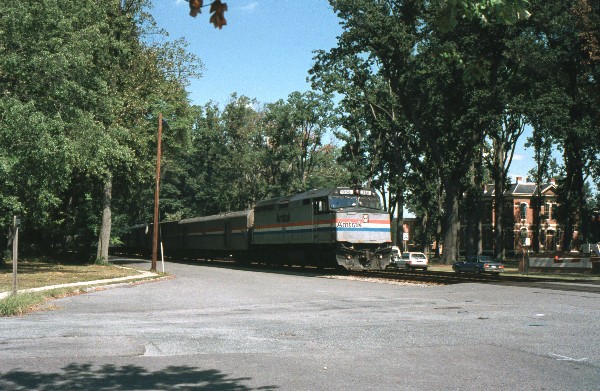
[[414, 260]]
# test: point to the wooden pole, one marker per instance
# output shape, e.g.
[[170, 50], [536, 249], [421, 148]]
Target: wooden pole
[[156, 193]]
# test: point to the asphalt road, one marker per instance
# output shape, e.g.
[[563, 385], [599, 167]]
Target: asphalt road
[[218, 328]]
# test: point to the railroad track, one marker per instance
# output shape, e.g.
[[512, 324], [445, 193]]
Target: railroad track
[[447, 278], [416, 276]]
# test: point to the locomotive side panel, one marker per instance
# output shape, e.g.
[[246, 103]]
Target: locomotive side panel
[[266, 226], [300, 219], [286, 231], [324, 220]]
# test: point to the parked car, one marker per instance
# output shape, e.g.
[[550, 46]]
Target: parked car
[[414, 260], [478, 264]]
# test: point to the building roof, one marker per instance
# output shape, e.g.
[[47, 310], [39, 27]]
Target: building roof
[[520, 189]]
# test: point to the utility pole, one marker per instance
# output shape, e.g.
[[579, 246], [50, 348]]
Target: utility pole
[[156, 193]]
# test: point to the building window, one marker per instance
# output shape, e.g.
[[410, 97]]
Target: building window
[[523, 211]]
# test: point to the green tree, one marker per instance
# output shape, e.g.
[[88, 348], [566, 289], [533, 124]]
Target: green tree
[[81, 125], [564, 60], [295, 131]]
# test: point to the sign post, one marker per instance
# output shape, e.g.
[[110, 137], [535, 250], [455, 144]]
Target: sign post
[[156, 196], [405, 240], [15, 249]]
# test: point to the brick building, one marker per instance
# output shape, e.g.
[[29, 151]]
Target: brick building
[[519, 218]]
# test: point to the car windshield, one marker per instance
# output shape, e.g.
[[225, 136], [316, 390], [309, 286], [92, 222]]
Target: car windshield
[[419, 256], [339, 202]]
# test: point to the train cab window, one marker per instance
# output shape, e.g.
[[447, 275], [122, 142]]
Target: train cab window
[[320, 206], [343, 202]]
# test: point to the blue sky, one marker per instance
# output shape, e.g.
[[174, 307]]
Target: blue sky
[[264, 51]]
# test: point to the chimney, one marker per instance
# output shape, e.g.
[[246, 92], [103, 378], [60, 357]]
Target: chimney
[[519, 179], [552, 181]]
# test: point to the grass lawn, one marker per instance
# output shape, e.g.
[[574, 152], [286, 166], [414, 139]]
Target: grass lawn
[[37, 273]]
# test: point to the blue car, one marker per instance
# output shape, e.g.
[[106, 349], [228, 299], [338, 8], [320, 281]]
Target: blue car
[[478, 264]]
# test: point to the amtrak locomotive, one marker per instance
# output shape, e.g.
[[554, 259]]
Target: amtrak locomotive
[[335, 227]]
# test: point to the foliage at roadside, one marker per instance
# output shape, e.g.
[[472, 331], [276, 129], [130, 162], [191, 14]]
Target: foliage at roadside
[[24, 303]]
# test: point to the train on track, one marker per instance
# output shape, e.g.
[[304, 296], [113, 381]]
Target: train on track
[[338, 227]]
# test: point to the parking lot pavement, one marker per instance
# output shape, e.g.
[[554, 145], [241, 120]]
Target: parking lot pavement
[[222, 328]]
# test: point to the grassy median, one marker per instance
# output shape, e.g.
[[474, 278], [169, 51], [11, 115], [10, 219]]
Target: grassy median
[[41, 273]]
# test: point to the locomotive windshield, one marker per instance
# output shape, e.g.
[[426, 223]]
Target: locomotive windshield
[[340, 202]]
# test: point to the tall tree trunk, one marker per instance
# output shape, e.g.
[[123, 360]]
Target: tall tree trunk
[[104, 236], [450, 221], [499, 219], [537, 206], [471, 236], [576, 202], [438, 231], [537, 219], [499, 175], [399, 208], [424, 235], [473, 212], [7, 253]]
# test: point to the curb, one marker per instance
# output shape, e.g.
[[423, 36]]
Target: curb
[[110, 281]]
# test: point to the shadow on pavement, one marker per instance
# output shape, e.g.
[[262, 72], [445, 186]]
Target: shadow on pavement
[[128, 377]]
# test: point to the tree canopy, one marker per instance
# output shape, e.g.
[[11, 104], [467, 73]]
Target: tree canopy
[[422, 100]]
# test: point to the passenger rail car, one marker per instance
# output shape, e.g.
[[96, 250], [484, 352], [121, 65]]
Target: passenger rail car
[[336, 227]]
